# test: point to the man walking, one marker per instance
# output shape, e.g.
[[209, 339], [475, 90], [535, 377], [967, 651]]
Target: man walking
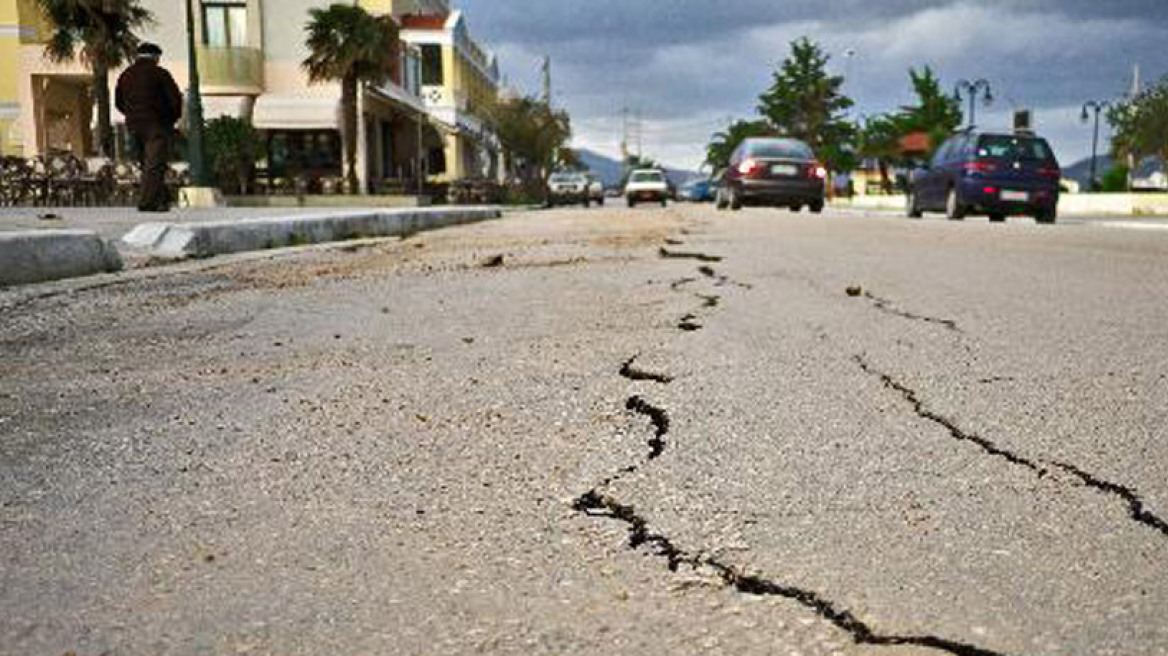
[[152, 103]]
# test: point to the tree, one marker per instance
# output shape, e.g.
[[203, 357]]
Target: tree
[[350, 45], [936, 113], [101, 33], [806, 103], [1141, 125], [233, 147], [722, 144], [879, 139], [532, 134]]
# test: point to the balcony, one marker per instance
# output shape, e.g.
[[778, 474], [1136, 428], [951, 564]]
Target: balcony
[[231, 70]]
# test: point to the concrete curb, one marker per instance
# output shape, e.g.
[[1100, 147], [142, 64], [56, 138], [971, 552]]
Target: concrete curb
[[42, 255], [183, 240]]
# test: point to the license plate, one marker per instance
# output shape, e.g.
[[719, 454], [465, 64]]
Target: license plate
[[647, 195], [785, 169], [1019, 196]]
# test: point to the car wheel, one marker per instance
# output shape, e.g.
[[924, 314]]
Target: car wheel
[[735, 199], [953, 208], [600, 201], [914, 208], [632, 202], [720, 199], [816, 207], [1047, 217], [664, 203], [997, 218], [796, 208]]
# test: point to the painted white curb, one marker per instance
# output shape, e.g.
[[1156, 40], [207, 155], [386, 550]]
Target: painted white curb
[[207, 239]]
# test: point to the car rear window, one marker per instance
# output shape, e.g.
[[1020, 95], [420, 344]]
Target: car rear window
[[779, 149], [1016, 148], [647, 176]]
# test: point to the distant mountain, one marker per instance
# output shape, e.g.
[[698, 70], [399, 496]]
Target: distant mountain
[[1081, 171], [610, 171]]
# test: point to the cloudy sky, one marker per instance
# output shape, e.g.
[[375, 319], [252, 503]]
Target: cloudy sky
[[688, 66]]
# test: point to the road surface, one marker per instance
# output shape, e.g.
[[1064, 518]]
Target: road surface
[[648, 431]]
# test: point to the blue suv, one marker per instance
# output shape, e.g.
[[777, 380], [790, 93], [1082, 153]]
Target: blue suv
[[997, 175]]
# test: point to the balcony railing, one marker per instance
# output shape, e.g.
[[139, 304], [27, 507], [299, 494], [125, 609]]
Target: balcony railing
[[231, 70]]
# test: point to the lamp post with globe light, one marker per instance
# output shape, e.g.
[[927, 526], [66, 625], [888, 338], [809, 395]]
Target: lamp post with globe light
[[1097, 106], [971, 91], [195, 153]]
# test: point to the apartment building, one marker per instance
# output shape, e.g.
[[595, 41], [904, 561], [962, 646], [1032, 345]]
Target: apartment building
[[249, 56], [459, 79], [20, 23]]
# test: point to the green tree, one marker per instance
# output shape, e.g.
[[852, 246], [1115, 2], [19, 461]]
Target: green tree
[[232, 147], [101, 33], [1141, 125], [532, 134], [807, 103], [879, 139], [722, 144], [352, 46], [936, 113]]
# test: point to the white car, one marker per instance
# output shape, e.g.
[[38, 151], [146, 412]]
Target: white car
[[568, 189], [647, 185]]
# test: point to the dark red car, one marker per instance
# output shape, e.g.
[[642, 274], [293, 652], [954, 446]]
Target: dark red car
[[773, 172]]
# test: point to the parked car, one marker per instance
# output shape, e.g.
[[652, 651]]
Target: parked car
[[647, 185], [595, 190], [997, 175], [699, 190], [773, 172], [568, 188]]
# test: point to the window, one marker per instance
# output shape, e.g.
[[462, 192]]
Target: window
[[225, 25], [648, 176], [780, 149], [1015, 148], [432, 65]]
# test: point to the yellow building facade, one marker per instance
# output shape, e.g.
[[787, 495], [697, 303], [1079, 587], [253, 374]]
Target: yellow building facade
[[20, 24], [459, 80], [250, 55]]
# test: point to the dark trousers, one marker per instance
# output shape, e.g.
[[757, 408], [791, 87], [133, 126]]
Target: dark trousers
[[154, 146]]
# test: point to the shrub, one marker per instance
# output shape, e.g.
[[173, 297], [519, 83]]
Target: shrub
[[232, 151]]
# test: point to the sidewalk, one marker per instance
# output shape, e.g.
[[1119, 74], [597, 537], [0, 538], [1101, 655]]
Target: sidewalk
[[112, 223], [44, 244]]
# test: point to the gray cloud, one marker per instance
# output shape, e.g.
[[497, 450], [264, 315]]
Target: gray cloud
[[690, 64]]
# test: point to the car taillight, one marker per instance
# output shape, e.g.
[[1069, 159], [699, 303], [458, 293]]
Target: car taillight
[[979, 167], [817, 171], [1050, 172], [749, 167]]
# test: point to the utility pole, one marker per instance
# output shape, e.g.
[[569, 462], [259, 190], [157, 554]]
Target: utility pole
[[547, 80], [640, 136], [625, 140]]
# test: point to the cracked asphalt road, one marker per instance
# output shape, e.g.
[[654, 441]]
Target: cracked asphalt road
[[649, 431]]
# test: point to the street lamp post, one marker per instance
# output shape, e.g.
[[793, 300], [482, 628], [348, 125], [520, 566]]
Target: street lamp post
[[195, 154], [1097, 106], [971, 91]]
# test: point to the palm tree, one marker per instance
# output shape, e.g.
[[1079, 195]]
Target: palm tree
[[355, 47], [101, 32], [722, 144]]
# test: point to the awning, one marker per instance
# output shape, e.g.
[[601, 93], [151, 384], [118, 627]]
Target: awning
[[276, 112], [399, 96], [219, 106]]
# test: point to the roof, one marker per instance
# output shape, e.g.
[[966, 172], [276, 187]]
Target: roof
[[424, 21]]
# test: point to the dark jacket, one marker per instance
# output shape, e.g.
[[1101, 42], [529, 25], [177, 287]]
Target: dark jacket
[[147, 96]]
